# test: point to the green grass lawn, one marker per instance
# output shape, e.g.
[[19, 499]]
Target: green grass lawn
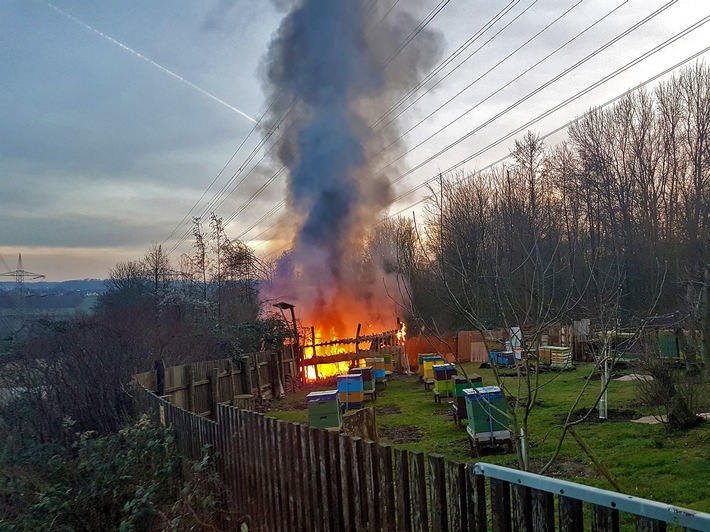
[[646, 460]]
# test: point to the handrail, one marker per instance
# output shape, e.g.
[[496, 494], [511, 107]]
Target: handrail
[[600, 497]]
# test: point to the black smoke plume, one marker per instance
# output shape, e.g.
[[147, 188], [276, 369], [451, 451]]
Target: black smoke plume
[[332, 70]]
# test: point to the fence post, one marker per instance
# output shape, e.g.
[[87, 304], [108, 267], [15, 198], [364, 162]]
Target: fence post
[[230, 376], [213, 379], [257, 367], [190, 378], [160, 377]]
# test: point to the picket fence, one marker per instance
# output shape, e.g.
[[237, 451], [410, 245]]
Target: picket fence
[[283, 476]]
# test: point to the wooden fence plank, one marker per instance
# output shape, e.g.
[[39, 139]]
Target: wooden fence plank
[[314, 460], [296, 467], [417, 487], [476, 500], [279, 471], [336, 494], [386, 489], [358, 472], [500, 506], [522, 508], [289, 471], [644, 524], [369, 457], [346, 482], [306, 486], [324, 467], [543, 511], [604, 519], [250, 461], [270, 448], [570, 514], [437, 492], [263, 499], [457, 500], [401, 473]]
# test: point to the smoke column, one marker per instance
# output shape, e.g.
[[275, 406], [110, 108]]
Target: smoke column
[[326, 61]]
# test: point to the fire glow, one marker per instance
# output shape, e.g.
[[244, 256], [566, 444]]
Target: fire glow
[[346, 351]]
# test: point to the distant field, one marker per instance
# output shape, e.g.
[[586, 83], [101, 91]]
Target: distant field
[[645, 460]]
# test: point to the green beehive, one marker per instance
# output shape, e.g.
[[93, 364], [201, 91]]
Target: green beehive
[[324, 409], [461, 383], [388, 362], [486, 410]]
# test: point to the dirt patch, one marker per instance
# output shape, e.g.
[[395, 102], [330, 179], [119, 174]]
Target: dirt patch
[[295, 405], [400, 434], [564, 469], [387, 410], [613, 414]]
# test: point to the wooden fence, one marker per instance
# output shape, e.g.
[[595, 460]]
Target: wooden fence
[[201, 386], [285, 476]]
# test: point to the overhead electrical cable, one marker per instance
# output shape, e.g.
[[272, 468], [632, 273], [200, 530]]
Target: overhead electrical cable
[[562, 104], [497, 65], [517, 103], [448, 60]]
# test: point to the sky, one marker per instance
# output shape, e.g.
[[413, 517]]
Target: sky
[[120, 121]]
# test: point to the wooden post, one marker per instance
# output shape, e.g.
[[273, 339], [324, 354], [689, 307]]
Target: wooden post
[[246, 374], [313, 346], [160, 377], [257, 367], [230, 375], [213, 378], [190, 378]]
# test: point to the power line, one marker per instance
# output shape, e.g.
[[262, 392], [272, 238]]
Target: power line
[[401, 47], [518, 102], [589, 88]]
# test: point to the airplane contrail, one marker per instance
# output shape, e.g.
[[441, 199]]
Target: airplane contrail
[[148, 60]]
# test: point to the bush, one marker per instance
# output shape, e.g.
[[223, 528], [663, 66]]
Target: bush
[[675, 392]]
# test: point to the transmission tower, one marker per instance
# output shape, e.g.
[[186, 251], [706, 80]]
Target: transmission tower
[[20, 275]]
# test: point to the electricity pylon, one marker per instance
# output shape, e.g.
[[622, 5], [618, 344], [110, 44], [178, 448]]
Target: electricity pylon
[[20, 275]]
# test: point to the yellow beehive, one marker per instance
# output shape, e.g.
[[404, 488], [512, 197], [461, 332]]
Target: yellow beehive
[[429, 366]]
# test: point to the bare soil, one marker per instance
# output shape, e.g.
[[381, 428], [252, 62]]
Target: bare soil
[[400, 434]]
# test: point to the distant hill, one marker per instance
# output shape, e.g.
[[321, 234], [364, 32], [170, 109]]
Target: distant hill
[[84, 286]]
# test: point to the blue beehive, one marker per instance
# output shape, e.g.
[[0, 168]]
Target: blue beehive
[[351, 382], [502, 358], [351, 390]]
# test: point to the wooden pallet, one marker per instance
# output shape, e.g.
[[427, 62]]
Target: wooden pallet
[[482, 440]]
